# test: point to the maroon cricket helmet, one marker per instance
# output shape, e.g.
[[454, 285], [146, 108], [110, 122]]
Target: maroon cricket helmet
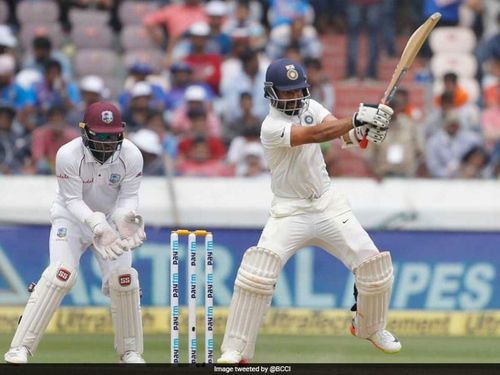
[[103, 117]]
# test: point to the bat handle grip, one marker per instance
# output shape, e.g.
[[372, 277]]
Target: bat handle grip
[[364, 142]]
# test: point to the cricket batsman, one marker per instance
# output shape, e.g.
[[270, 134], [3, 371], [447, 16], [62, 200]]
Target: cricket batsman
[[308, 211], [98, 179]]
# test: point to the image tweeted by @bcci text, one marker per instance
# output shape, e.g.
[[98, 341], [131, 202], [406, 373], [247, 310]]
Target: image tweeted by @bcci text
[[253, 369]]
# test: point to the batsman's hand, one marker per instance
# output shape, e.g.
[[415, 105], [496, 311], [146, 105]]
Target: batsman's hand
[[377, 115], [373, 134], [106, 241], [130, 226]]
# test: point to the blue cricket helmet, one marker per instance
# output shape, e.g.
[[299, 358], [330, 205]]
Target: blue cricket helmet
[[286, 75]]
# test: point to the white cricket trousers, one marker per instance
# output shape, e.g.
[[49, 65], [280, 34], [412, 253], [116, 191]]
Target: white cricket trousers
[[327, 222], [69, 239]]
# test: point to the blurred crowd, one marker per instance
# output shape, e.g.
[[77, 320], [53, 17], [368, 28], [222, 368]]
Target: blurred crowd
[[188, 77]]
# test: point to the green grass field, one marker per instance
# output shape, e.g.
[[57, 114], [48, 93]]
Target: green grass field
[[277, 349]]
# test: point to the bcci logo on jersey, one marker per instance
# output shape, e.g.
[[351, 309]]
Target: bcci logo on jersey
[[114, 178], [107, 117]]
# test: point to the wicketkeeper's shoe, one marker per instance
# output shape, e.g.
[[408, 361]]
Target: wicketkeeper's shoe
[[17, 355], [132, 357], [383, 340], [232, 357]]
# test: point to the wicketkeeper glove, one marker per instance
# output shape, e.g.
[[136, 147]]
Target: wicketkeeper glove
[[130, 226], [106, 241]]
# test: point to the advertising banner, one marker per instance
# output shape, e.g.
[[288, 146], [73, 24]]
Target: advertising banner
[[438, 271]]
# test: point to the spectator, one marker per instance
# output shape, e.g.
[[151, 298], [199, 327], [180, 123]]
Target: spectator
[[460, 95], [14, 95], [435, 118], [449, 10], [474, 164], [217, 11], [491, 67], [47, 139], [195, 98], [248, 78], [251, 161], [199, 153], [400, 155], [149, 144], [256, 9], [293, 53], [389, 27], [297, 34], [10, 161], [156, 95], [42, 53], [468, 114], [92, 90], [202, 56], [320, 87], [446, 148], [143, 72], [8, 41], [242, 42], [241, 22], [196, 39], [181, 77], [54, 91], [157, 123], [175, 19], [402, 97], [372, 11], [468, 110], [137, 113], [243, 150], [245, 125], [490, 123], [285, 11]]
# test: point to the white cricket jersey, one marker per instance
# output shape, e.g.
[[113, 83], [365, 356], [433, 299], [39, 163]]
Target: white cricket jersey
[[84, 185], [297, 172]]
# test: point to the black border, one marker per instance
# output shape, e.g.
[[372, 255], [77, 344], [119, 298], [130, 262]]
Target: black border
[[272, 369]]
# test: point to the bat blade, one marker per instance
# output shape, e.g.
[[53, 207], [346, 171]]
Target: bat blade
[[413, 46]]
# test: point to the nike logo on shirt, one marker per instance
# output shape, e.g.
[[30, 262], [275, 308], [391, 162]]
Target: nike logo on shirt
[[282, 133]]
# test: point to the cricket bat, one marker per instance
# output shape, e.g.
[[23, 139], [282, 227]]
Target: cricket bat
[[410, 51]]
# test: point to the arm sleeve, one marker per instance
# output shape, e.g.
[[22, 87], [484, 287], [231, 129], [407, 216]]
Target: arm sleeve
[[129, 190], [276, 134], [70, 186], [320, 111], [156, 18]]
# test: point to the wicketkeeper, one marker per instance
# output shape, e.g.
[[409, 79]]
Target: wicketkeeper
[[98, 177]]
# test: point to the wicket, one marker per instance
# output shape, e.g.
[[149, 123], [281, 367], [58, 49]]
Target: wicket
[[192, 294]]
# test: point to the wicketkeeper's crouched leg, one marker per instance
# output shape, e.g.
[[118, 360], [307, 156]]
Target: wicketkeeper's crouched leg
[[126, 313], [55, 282], [253, 292]]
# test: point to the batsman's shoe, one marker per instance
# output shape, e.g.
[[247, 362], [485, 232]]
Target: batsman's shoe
[[132, 357], [17, 355], [383, 340], [232, 357]]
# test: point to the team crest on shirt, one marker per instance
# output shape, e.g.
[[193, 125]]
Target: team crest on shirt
[[107, 117], [308, 119], [114, 178], [291, 73], [62, 232]]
